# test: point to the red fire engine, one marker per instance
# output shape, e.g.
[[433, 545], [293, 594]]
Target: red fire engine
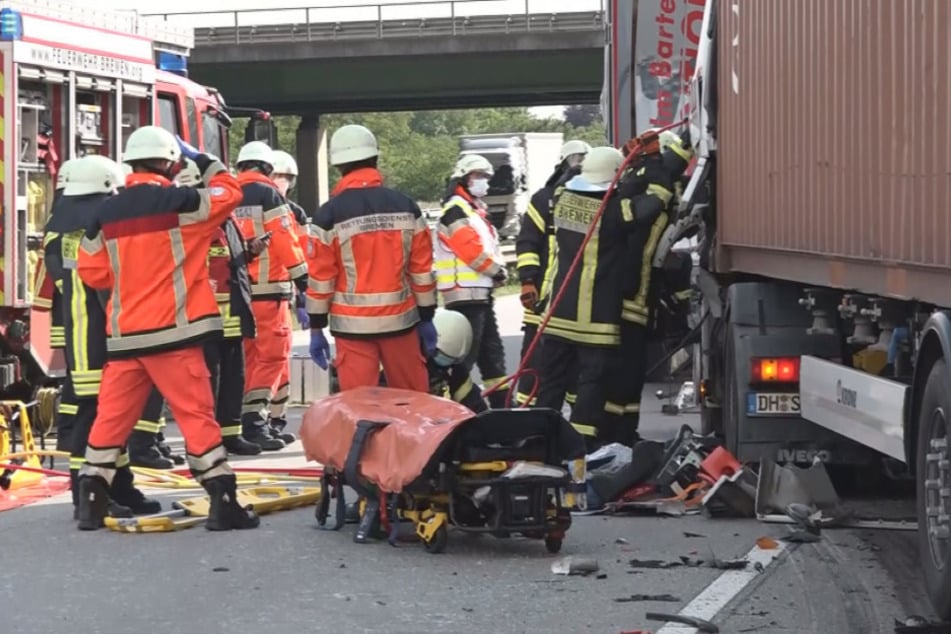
[[77, 81]]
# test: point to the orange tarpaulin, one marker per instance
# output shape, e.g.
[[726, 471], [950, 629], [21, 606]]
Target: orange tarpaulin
[[393, 457], [42, 489]]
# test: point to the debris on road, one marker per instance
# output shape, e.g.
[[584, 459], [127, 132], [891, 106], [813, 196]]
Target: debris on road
[[690, 535], [575, 566], [700, 624], [637, 598]]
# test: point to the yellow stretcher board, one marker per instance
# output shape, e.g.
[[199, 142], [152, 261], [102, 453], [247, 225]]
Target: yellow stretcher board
[[193, 511]]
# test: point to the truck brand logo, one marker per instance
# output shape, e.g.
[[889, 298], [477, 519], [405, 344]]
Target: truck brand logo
[[845, 396], [803, 455]]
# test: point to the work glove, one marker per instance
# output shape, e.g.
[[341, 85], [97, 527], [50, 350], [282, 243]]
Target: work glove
[[529, 296], [302, 317], [427, 336], [188, 151], [319, 348], [500, 277]]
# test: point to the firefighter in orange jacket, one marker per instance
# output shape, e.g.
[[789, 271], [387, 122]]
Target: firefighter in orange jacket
[[147, 250], [371, 279], [285, 178], [469, 265], [273, 274]]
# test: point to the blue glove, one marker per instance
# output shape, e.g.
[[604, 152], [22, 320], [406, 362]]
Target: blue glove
[[319, 348], [188, 151], [427, 335], [302, 317]]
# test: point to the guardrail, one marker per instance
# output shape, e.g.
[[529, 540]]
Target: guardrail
[[303, 24]]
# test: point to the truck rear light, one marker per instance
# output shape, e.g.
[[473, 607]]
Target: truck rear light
[[774, 370]]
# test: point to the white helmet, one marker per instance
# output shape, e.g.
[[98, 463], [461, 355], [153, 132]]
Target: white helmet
[[65, 170], [94, 174], [256, 151], [284, 163], [469, 163], [601, 164], [668, 138], [453, 337], [190, 176], [352, 143], [151, 142], [575, 146]]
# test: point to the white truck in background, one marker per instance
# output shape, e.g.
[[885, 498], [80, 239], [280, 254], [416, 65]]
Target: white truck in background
[[523, 161]]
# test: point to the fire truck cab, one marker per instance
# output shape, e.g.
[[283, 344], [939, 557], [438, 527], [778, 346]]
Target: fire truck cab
[[75, 80]]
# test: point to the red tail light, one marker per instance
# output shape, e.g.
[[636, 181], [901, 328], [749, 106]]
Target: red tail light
[[774, 370]]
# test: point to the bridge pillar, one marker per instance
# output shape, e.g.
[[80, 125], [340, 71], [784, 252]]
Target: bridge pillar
[[312, 162]]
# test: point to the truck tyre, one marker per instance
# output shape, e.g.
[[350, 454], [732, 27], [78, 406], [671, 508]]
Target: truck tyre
[[934, 476]]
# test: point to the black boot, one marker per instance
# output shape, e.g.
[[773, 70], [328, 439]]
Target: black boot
[[144, 452], [239, 446], [224, 513], [260, 435], [166, 451], [276, 429], [93, 502], [124, 492], [74, 489]]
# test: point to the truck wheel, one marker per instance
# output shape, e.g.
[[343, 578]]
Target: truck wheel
[[933, 485]]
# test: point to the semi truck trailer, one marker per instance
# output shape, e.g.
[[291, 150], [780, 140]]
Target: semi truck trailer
[[820, 199]]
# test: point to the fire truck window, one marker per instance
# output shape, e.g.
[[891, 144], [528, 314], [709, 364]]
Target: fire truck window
[[191, 113], [168, 114], [211, 131]]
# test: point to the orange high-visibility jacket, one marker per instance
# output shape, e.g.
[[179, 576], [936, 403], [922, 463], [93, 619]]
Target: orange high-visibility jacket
[[371, 261], [149, 249], [263, 209]]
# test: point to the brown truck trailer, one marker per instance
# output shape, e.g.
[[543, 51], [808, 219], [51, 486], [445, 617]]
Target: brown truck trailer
[[820, 200]]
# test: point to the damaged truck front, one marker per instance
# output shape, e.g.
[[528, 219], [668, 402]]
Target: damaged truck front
[[820, 200]]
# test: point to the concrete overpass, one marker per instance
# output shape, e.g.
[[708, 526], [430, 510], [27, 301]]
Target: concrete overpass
[[308, 66]]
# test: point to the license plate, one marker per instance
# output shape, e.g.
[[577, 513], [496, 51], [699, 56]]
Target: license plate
[[771, 404]]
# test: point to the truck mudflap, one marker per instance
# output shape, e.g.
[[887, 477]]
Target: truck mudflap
[[859, 406]]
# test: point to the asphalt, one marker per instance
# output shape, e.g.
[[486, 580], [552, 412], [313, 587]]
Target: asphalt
[[288, 576]]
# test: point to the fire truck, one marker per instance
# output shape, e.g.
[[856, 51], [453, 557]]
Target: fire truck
[[76, 81]]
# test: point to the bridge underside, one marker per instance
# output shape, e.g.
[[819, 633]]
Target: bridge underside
[[311, 77]]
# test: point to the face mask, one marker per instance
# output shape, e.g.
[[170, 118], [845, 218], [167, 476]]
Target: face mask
[[283, 185], [479, 187], [444, 361]]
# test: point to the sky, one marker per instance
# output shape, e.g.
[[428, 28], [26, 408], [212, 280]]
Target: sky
[[221, 13]]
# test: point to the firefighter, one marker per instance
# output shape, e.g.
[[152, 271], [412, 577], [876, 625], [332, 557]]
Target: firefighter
[[532, 247], [273, 274], [47, 297], [448, 375], [583, 336], [285, 177], [147, 250], [469, 265], [650, 185], [91, 180], [228, 258], [371, 279]]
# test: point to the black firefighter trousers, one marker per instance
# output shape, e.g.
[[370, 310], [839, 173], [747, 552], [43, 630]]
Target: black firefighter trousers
[[225, 359], [527, 383], [487, 350]]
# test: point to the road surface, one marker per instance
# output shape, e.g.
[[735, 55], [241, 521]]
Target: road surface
[[288, 577]]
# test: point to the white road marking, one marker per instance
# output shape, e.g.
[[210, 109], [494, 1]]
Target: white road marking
[[724, 589]]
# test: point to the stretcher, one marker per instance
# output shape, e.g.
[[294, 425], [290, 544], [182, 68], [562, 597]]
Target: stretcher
[[194, 511], [423, 459]]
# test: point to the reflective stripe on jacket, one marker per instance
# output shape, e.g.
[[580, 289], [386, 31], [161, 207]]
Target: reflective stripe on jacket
[[148, 248], [371, 260], [263, 209], [467, 252]]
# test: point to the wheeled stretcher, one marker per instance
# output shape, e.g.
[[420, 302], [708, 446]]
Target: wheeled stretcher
[[420, 458]]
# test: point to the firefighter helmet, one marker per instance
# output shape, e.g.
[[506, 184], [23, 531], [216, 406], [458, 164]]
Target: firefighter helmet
[[472, 163], [352, 143], [601, 164], [64, 171], [190, 176], [284, 163], [94, 174], [151, 142], [575, 146], [453, 337], [256, 151]]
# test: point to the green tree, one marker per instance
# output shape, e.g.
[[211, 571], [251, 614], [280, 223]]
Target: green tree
[[418, 149]]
